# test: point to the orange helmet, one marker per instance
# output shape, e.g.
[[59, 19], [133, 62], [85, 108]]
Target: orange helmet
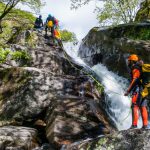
[[133, 57]]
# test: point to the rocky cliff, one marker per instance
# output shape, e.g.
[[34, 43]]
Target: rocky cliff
[[112, 45], [41, 104]]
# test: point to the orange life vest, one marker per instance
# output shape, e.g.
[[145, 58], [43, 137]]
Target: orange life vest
[[57, 34]]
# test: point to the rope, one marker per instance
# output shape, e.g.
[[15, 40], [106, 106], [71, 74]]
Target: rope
[[130, 110], [65, 54], [126, 116]]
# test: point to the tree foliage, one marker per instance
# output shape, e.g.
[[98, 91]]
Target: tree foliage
[[14, 23], [113, 12], [10, 4], [143, 13], [118, 11], [78, 3], [68, 36]]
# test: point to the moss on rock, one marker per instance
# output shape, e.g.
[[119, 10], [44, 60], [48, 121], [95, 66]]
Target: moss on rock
[[12, 79]]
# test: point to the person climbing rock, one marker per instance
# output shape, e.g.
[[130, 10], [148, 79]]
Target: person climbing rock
[[135, 87], [38, 23], [50, 25], [57, 37]]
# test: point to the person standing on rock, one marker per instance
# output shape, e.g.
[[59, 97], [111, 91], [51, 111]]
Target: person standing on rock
[[50, 22], [135, 87]]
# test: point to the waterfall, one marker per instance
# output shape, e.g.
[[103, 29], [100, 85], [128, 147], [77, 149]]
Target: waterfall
[[118, 106]]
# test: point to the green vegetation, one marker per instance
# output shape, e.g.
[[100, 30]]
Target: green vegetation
[[17, 15], [17, 55], [9, 6], [144, 12], [99, 87], [20, 55], [3, 55], [13, 24], [68, 36], [115, 12], [143, 34]]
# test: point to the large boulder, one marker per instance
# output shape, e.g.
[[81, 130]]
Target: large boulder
[[73, 118], [18, 138], [123, 140], [26, 92]]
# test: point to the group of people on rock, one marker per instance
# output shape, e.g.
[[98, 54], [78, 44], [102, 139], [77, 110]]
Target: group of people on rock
[[51, 24]]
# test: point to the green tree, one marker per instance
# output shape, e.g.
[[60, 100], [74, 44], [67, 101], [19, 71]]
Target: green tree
[[10, 4], [14, 24], [117, 11], [113, 12], [68, 36], [143, 13], [78, 3]]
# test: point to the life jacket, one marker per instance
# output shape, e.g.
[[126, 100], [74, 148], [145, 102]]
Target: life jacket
[[145, 74], [145, 80], [57, 34], [50, 21], [138, 67], [50, 24]]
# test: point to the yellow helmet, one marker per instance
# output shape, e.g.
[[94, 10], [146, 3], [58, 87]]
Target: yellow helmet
[[133, 57]]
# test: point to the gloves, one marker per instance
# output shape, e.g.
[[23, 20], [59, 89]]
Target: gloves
[[126, 93]]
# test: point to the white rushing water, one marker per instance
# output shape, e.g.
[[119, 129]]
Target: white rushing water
[[118, 106], [72, 51]]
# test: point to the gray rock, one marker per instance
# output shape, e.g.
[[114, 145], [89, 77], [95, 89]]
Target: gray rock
[[18, 138], [123, 140]]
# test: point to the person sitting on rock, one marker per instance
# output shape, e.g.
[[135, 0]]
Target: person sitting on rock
[[38, 23]]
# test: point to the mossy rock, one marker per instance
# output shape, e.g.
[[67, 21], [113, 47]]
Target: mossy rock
[[12, 79]]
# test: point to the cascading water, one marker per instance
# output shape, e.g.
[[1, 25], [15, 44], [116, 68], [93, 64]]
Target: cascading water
[[118, 106]]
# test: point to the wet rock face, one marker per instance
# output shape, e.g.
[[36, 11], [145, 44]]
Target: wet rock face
[[18, 138], [123, 140], [113, 45], [73, 119]]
